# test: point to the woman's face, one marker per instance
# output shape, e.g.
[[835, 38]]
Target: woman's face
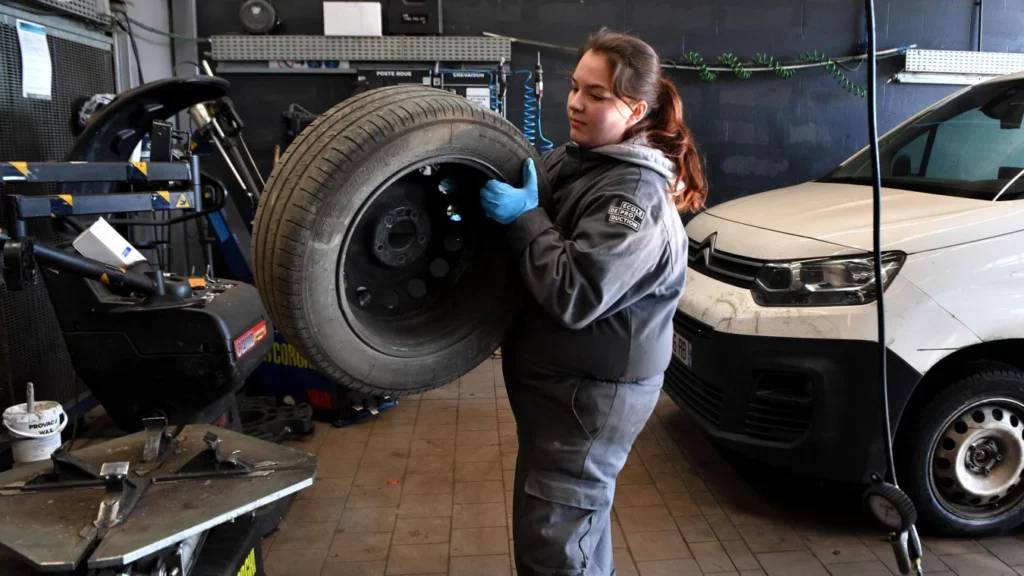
[[596, 116]]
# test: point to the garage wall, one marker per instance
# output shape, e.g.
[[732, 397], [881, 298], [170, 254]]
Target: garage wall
[[759, 134]]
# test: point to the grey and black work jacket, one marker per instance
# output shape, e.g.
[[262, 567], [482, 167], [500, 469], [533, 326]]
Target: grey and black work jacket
[[605, 264]]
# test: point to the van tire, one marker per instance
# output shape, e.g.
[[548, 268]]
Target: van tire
[[994, 394], [328, 180]]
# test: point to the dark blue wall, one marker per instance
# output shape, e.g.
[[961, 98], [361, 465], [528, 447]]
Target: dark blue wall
[[757, 134]]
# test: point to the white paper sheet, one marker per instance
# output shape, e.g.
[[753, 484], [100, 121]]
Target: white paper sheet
[[36, 68]]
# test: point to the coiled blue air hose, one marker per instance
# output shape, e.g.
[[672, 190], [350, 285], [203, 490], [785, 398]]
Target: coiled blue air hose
[[532, 121]]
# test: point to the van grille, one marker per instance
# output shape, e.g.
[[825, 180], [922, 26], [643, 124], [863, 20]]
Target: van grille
[[702, 397], [777, 420], [722, 266]]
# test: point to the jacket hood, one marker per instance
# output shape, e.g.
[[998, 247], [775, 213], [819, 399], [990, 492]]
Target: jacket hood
[[637, 152]]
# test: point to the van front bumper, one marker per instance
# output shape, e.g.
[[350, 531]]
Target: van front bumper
[[808, 405]]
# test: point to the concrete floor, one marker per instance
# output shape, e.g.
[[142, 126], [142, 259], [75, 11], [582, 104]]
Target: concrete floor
[[425, 488]]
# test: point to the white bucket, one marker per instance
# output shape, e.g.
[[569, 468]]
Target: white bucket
[[36, 427]]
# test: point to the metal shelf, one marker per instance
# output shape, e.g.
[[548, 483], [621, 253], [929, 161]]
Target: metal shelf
[[88, 9], [958, 67], [963, 62], [361, 48]]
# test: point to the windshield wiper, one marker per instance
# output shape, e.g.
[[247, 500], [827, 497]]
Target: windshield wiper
[[1008, 185]]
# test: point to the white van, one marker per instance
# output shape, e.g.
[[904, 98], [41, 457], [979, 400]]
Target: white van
[[775, 350]]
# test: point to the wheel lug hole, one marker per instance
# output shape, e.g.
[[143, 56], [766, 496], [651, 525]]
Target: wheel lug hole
[[402, 259], [423, 238], [439, 268], [363, 295], [453, 242], [380, 247], [388, 220], [417, 288]]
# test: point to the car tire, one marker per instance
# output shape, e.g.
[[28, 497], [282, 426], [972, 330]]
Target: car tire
[[944, 448], [380, 311]]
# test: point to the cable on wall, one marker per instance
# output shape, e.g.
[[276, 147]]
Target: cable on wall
[[744, 70]]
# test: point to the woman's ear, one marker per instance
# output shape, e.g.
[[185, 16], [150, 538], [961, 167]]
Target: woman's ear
[[640, 111]]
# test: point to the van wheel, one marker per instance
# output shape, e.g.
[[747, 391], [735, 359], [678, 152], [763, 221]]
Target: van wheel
[[961, 456]]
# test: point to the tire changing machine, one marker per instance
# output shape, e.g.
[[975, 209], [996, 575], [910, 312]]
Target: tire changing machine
[[157, 351]]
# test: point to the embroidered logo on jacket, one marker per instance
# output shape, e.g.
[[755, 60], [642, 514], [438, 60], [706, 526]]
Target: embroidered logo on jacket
[[626, 214]]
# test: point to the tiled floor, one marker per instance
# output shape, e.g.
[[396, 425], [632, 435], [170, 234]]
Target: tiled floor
[[425, 488]]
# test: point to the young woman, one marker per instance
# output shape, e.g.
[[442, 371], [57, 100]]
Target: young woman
[[606, 265]]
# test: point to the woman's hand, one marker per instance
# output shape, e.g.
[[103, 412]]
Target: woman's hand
[[505, 203]]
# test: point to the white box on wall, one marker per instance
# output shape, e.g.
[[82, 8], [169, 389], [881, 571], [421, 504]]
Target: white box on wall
[[352, 19]]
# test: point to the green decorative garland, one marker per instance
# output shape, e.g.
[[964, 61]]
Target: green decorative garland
[[766, 63], [694, 59], [835, 72], [770, 62], [733, 62], [761, 63]]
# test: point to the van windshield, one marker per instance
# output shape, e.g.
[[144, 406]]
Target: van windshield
[[971, 146]]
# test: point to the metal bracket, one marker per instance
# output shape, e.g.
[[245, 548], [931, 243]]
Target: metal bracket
[[157, 438], [69, 468], [121, 497], [233, 460], [70, 471]]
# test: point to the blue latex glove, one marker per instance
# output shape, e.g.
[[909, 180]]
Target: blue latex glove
[[504, 203]]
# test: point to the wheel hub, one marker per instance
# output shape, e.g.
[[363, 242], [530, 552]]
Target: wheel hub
[[978, 460], [401, 236], [412, 245], [982, 457]]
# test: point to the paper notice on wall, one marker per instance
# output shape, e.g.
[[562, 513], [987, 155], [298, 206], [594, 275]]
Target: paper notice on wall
[[36, 68], [480, 95]]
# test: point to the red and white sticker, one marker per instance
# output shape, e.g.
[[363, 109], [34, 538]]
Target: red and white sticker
[[249, 340]]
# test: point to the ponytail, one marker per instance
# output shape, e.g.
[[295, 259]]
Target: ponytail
[[668, 133]]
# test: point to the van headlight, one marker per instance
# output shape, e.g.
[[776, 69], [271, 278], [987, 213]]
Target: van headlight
[[824, 281]]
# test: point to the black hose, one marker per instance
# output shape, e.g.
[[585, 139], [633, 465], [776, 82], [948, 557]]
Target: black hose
[[981, 21], [876, 181], [135, 46]]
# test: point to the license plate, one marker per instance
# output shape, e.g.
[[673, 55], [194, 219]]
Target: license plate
[[682, 350]]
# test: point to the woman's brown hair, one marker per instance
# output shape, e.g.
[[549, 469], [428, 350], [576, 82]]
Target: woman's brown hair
[[636, 75]]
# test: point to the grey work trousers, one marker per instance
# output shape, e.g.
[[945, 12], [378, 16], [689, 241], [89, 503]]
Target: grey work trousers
[[574, 437]]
